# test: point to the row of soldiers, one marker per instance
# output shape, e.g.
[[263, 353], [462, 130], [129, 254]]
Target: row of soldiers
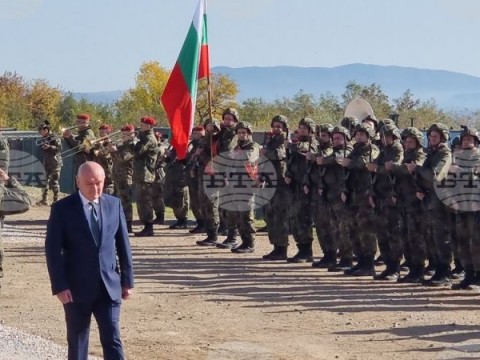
[[363, 186]]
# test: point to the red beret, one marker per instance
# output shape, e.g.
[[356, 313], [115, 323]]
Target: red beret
[[83, 117], [105, 127], [149, 121], [128, 127]]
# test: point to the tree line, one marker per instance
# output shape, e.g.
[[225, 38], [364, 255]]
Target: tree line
[[24, 104]]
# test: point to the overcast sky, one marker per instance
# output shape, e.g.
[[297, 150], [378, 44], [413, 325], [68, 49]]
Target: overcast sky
[[99, 45]]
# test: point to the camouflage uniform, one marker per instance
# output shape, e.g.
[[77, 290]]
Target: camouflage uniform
[[434, 171], [76, 142], [193, 181], [297, 169], [176, 191], [123, 175], [386, 205], [105, 159], [412, 209], [145, 157], [4, 153], [52, 162], [362, 214], [14, 200], [332, 184], [158, 185]]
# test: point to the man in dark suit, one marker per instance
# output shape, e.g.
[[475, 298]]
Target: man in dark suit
[[89, 262]]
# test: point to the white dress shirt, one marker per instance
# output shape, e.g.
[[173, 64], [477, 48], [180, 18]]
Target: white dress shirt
[[87, 210]]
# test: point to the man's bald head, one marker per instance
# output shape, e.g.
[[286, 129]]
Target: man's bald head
[[90, 179]]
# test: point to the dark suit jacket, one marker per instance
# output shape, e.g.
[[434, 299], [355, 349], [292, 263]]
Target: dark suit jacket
[[73, 259]]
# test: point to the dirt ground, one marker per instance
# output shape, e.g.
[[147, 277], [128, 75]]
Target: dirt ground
[[202, 303]]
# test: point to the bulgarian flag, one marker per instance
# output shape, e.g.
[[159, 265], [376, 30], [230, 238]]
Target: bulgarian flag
[[180, 94]]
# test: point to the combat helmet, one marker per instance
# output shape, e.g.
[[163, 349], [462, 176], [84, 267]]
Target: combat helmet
[[280, 119], [231, 111], [341, 130], [328, 128], [470, 132], [213, 121], [442, 129], [244, 125], [308, 122], [367, 129], [390, 129], [349, 122], [413, 132], [373, 119]]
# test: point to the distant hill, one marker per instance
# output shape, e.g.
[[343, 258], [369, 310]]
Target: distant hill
[[449, 89]]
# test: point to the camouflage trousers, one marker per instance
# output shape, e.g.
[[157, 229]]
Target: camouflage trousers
[[157, 198], [53, 176], [143, 197], [389, 230], [195, 194], [339, 228], [124, 192], [362, 226], [244, 221], [439, 235], [2, 255], [321, 218], [210, 213], [277, 216], [302, 224], [180, 206], [468, 239], [414, 245]]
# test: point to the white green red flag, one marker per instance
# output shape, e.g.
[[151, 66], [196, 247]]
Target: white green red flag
[[180, 94]]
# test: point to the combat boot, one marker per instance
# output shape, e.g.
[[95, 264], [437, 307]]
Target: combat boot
[[367, 268], [430, 270], [329, 260], [198, 229], [303, 255], [467, 281], [247, 246], [211, 239], [414, 276], [231, 241], [146, 231], [343, 264], [159, 218], [278, 253], [44, 201], [458, 271], [55, 196], [442, 277], [354, 268], [129, 227], [179, 224], [391, 273]]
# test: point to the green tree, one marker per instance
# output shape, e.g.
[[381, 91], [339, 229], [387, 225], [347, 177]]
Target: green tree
[[223, 94]]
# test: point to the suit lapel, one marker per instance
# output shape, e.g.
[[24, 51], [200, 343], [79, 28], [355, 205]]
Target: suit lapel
[[104, 209]]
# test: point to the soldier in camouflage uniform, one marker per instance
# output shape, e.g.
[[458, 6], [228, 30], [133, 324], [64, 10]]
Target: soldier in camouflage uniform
[[176, 190], [13, 200], [145, 157], [332, 189], [276, 213], [411, 207], [360, 197], [77, 143], [102, 155], [158, 185], [298, 168], [193, 179], [320, 208], [386, 202], [433, 172], [246, 151], [51, 146], [466, 167], [123, 171]]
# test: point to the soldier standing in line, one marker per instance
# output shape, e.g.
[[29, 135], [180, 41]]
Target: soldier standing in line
[[247, 152], [158, 185], [333, 190], [276, 213], [103, 156], [297, 169], [386, 202], [434, 170], [411, 207], [320, 208], [145, 157], [362, 206], [193, 179], [123, 171], [467, 207], [76, 143], [51, 146]]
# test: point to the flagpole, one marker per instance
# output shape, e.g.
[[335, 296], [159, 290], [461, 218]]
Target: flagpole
[[209, 97]]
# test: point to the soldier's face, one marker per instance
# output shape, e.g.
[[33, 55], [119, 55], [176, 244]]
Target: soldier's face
[[277, 128], [127, 135], [196, 135], [468, 142], [361, 137], [303, 130], [82, 123], [338, 140], [434, 138], [242, 134], [387, 139], [43, 132], [103, 132], [324, 137], [228, 120], [144, 127], [410, 143]]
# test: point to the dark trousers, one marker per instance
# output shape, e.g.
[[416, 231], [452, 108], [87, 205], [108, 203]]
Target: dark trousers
[[107, 315]]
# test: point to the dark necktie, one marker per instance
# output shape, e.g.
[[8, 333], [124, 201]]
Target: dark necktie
[[95, 226]]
